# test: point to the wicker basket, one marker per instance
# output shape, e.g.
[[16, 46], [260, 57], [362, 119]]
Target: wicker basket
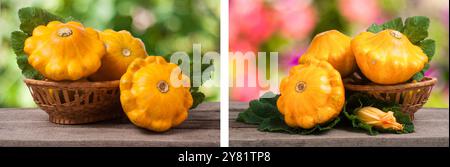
[[77, 102], [410, 96]]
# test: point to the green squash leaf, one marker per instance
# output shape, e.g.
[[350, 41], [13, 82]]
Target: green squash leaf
[[408, 126], [250, 117], [419, 76], [31, 17], [395, 24], [264, 113], [17, 41], [428, 46], [27, 70], [198, 97], [270, 98], [356, 101], [416, 28], [374, 28]]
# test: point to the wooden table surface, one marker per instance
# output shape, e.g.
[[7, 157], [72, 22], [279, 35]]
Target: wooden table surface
[[431, 129], [30, 127]]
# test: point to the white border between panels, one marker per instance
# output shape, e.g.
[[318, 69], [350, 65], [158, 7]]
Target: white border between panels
[[224, 74]]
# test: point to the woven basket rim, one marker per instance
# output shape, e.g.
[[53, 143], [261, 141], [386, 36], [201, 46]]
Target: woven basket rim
[[73, 84], [427, 81]]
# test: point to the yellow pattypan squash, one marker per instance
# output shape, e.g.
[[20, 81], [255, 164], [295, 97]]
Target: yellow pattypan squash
[[64, 51], [150, 99], [334, 47], [121, 49], [311, 95], [387, 57]]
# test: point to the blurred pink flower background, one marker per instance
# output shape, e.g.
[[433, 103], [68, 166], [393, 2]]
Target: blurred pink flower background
[[287, 26], [361, 11], [252, 23]]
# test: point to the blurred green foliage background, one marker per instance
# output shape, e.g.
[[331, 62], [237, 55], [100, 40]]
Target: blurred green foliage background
[[165, 26]]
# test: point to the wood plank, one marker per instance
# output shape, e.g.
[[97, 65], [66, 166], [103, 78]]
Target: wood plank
[[30, 127], [39, 115], [98, 137], [188, 124], [334, 138], [237, 106], [431, 125]]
